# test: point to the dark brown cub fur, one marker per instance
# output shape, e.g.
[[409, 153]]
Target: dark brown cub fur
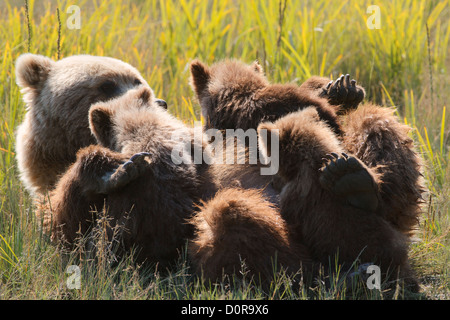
[[377, 137], [150, 196], [235, 95], [239, 227], [333, 230]]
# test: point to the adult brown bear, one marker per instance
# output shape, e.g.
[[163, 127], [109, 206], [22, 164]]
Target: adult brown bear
[[58, 95]]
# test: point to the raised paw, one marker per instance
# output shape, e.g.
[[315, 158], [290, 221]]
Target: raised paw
[[124, 174], [350, 180], [343, 92]]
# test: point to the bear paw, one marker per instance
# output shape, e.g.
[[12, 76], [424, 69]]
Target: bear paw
[[124, 174], [343, 92], [349, 179]]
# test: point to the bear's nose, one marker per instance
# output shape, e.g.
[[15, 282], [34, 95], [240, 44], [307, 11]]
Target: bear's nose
[[161, 103]]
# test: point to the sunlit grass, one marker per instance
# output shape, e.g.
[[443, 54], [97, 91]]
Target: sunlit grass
[[399, 65]]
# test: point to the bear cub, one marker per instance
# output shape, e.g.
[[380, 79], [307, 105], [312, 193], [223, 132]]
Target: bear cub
[[236, 95], [239, 231], [131, 176], [321, 205]]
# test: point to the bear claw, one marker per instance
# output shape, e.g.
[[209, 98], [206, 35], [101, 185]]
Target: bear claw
[[138, 158], [346, 177], [343, 91], [124, 174]]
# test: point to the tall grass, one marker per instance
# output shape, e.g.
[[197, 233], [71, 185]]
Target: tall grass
[[160, 38]]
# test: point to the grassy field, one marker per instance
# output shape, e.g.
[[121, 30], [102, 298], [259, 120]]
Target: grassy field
[[405, 64]]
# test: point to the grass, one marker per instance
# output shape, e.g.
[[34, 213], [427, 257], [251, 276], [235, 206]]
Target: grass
[[400, 65]]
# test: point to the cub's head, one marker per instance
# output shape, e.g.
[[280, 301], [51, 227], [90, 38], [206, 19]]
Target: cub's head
[[226, 84], [299, 140], [60, 93], [131, 123]]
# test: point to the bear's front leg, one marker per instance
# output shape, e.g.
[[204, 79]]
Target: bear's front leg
[[81, 191], [350, 180]]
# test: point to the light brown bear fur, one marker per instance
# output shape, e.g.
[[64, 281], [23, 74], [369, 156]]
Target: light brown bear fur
[[332, 230], [58, 95], [240, 231], [153, 200]]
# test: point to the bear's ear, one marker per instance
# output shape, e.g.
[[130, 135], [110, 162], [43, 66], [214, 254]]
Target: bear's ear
[[200, 76], [257, 67], [311, 114], [144, 94], [32, 70], [101, 124], [268, 138]]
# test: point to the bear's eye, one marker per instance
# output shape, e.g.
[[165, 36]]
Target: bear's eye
[[137, 82], [109, 87]]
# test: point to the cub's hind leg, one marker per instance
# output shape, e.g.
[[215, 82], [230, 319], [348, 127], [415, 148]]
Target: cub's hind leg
[[349, 179], [377, 137]]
